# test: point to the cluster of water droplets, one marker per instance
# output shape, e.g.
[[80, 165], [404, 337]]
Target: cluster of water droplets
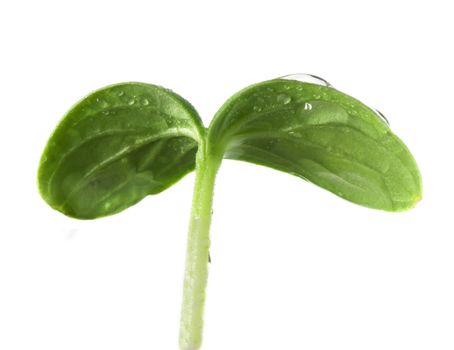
[[314, 79], [133, 99], [106, 105], [306, 78]]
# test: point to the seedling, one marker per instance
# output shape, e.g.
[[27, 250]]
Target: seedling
[[126, 141]]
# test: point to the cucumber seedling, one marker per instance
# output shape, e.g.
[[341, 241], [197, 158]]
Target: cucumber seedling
[[127, 141]]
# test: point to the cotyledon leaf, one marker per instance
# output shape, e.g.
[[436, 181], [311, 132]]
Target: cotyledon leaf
[[321, 135], [116, 146]]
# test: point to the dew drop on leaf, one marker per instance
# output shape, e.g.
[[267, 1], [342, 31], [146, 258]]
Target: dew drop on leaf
[[306, 78], [257, 109], [381, 116], [284, 99], [101, 102]]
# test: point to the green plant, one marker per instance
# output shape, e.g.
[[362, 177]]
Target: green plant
[[126, 141]]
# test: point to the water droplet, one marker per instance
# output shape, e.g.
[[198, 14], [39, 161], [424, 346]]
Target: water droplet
[[145, 102], [307, 78], [317, 97], [120, 93], [102, 102], [307, 106], [257, 109], [131, 101], [284, 99], [381, 116]]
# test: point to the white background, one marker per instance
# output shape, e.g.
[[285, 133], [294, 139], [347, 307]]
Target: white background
[[293, 267]]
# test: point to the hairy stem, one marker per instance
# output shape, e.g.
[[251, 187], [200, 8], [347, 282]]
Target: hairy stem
[[196, 272]]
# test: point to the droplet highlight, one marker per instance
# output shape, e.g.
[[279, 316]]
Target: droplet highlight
[[101, 102], [284, 99]]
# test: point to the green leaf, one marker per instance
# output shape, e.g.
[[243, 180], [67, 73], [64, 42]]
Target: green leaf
[[321, 135], [116, 146]]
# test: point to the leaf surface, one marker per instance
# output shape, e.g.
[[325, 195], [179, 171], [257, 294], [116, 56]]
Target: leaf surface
[[321, 135], [116, 146]]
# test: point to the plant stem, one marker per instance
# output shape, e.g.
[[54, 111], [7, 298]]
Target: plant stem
[[197, 255]]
